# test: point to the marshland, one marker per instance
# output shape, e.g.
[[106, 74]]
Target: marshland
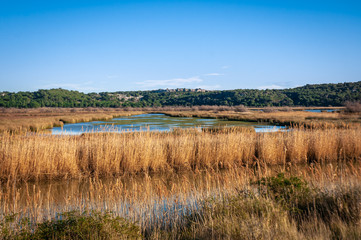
[[180, 120], [223, 181]]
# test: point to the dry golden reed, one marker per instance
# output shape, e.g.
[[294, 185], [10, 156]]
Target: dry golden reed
[[22, 120], [37, 156], [155, 201], [290, 118]]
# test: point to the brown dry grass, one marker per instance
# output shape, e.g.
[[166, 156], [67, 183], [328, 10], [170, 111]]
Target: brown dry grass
[[22, 120], [38, 156], [163, 203], [288, 118], [326, 155]]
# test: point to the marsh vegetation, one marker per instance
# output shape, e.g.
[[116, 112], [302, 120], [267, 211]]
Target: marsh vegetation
[[215, 183]]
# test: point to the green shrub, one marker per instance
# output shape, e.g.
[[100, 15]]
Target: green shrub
[[288, 192], [72, 225]]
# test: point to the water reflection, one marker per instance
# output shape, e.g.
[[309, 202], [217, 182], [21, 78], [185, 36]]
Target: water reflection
[[157, 200]]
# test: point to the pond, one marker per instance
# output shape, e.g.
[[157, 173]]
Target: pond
[[154, 122]]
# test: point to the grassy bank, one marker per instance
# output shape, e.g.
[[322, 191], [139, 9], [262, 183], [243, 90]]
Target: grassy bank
[[279, 117], [23, 120]]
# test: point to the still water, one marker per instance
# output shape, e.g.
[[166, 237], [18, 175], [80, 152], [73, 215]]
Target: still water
[[154, 122], [321, 110]]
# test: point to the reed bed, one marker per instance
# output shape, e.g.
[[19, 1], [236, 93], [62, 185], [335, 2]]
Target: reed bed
[[38, 156], [184, 184], [154, 202], [172, 205], [24, 120], [280, 117]]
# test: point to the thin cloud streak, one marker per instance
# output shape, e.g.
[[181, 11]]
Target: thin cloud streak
[[210, 87], [273, 86], [112, 76], [214, 74], [82, 87], [175, 82]]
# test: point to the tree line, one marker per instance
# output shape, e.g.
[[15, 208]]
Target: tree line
[[308, 95]]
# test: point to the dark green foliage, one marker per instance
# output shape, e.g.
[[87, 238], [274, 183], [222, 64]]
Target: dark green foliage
[[288, 192], [309, 95], [72, 225]]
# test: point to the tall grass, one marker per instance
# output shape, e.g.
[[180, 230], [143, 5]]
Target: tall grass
[[280, 117], [36, 157], [287, 209], [184, 184], [206, 205], [23, 120]]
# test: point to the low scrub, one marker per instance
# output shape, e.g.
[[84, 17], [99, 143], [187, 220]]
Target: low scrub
[[288, 192], [71, 225], [353, 107]]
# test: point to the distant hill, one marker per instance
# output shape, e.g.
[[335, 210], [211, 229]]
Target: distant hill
[[308, 95]]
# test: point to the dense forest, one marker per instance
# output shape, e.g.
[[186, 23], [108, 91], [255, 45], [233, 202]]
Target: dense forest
[[308, 95]]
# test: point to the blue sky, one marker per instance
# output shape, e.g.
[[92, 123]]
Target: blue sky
[[95, 46]]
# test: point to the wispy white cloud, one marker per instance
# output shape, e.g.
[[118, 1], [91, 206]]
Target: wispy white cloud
[[175, 82], [225, 67], [112, 76], [273, 86], [82, 87], [279, 85], [209, 87], [214, 74]]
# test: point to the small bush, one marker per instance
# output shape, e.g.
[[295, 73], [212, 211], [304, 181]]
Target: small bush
[[269, 109], [353, 107], [240, 108], [73, 225], [288, 192]]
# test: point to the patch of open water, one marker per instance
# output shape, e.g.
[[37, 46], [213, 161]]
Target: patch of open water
[[154, 122], [321, 110]]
